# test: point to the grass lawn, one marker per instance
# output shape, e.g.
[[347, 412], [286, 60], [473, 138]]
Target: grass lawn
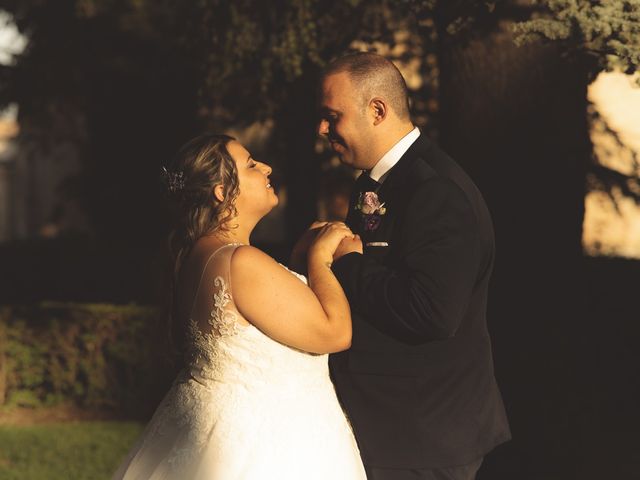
[[64, 451]]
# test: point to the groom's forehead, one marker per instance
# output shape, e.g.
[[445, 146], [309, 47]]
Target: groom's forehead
[[336, 87], [340, 81]]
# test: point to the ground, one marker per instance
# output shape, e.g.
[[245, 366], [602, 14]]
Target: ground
[[62, 444]]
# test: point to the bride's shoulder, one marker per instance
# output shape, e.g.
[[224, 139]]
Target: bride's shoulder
[[205, 256], [249, 259], [252, 266]]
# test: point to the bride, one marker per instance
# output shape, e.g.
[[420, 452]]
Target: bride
[[254, 399]]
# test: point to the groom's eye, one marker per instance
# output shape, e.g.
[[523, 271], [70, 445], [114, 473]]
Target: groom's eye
[[329, 116]]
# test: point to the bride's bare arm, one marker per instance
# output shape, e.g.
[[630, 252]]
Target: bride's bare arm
[[315, 318]]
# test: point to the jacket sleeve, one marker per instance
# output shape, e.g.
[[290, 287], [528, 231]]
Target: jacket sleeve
[[425, 295]]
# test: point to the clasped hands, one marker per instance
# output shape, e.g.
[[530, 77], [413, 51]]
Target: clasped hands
[[301, 248]]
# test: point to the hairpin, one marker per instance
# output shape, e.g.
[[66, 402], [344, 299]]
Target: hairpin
[[174, 180]]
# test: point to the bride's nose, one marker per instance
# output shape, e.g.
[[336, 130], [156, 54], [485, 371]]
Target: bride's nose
[[267, 169]]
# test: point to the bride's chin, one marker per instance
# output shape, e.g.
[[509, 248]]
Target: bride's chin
[[270, 207]]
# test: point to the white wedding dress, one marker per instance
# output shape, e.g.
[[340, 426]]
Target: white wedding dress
[[245, 407]]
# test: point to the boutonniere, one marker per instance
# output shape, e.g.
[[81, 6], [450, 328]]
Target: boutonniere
[[371, 209]]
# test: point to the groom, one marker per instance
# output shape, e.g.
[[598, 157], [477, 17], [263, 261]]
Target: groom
[[418, 382]]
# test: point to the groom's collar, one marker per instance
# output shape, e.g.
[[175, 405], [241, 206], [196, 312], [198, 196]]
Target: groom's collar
[[396, 177], [389, 159]]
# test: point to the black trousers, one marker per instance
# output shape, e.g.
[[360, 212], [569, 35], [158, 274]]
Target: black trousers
[[463, 472]]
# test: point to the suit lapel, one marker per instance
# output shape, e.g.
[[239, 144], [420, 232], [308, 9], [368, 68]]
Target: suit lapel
[[390, 189], [396, 178]]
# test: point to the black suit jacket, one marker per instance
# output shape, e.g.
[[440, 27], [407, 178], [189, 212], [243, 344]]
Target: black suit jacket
[[418, 382]]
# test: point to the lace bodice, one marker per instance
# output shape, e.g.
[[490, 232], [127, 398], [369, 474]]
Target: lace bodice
[[225, 347]]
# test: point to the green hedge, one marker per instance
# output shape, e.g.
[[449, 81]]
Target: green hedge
[[91, 355]]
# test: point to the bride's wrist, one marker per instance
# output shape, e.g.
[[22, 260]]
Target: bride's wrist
[[318, 258]]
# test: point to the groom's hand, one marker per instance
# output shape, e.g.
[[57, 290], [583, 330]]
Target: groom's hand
[[348, 245]]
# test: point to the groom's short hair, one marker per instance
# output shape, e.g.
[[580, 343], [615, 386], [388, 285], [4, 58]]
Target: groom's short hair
[[372, 75]]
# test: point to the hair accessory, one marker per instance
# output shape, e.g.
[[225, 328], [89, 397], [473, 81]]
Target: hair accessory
[[174, 180]]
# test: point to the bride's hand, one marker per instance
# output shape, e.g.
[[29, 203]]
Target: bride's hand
[[348, 245], [298, 258], [327, 241]]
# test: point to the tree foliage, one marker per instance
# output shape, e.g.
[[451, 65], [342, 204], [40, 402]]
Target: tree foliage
[[608, 30], [114, 75], [253, 52], [247, 52]]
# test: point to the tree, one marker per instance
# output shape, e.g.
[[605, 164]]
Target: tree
[[99, 79], [248, 60], [515, 117], [607, 30]]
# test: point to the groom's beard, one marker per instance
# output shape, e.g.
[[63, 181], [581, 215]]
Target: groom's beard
[[336, 141], [338, 148]]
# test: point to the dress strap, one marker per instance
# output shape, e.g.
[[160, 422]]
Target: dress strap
[[223, 248]]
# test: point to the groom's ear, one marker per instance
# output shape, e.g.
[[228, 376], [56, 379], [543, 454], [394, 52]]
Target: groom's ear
[[379, 110], [218, 192]]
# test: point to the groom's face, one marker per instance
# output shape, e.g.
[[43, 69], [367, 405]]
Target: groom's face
[[343, 121]]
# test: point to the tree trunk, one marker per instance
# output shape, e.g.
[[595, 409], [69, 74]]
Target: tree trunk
[[296, 134], [515, 119]]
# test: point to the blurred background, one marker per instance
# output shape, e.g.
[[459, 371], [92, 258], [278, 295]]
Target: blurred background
[[539, 101]]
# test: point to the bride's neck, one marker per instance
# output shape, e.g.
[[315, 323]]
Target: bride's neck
[[238, 229], [233, 237], [235, 234]]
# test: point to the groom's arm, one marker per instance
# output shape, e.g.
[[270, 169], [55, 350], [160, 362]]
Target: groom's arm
[[426, 295]]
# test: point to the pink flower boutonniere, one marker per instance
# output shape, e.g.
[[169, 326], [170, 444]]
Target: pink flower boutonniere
[[372, 210]]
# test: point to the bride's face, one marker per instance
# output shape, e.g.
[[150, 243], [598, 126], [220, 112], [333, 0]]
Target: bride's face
[[256, 193]]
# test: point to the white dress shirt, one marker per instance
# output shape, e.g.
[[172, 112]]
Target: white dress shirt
[[389, 159]]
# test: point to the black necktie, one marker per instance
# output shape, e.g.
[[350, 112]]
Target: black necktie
[[366, 184]]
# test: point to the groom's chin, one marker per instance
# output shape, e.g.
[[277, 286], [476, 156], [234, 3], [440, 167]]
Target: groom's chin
[[340, 153], [345, 160]]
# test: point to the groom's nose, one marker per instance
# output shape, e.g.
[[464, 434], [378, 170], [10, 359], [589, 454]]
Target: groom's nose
[[323, 127]]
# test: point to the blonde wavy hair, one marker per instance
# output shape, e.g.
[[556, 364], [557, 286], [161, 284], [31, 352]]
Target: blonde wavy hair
[[203, 163], [200, 165]]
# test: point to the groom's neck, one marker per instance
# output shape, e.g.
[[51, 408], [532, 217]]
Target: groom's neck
[[389, 137]]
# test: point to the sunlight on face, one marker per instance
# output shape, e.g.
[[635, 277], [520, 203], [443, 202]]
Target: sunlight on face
[[344, 123], [257, 196]]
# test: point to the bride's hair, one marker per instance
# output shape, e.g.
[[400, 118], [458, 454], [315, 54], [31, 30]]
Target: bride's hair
[[200, 164]]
